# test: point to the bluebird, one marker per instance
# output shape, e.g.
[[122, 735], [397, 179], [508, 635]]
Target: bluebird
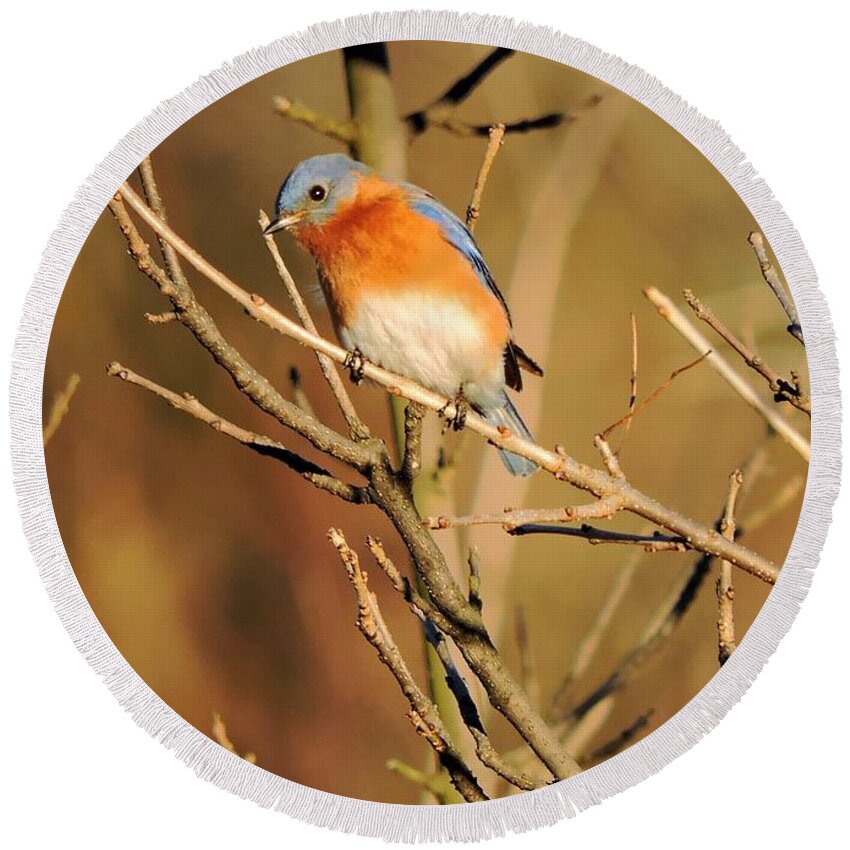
[[407, 287]]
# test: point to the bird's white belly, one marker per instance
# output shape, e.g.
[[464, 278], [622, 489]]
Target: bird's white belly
[[430, 339]]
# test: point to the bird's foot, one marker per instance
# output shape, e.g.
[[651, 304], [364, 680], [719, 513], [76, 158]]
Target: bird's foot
[[354, 362], [457, 420]]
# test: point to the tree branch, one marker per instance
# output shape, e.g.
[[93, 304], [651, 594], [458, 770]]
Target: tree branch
[[633, 378], [440, 113], [484, 748], [161, 318], [473, 561], [655, 542], [668, 310], [771, 278], [458, 92], [423, 714], [473, 211], [382, 136], [512, 518], [725, 589], [782, 389], [340, 131], [259, 443], [525, 125], [434, 624], [668, 616]]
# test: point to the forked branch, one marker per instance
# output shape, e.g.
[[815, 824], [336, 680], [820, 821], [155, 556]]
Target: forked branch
[[423, 715], [783, 389]]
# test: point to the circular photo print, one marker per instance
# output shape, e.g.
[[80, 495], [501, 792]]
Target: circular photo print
[[426, 422]]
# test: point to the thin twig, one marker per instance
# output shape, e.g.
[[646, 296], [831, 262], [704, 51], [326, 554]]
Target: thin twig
[[417, 602], [355, 425], [454, 678], [495, 140], [154, 199], [525, 125], [634, 411], [59, 408], [423, 714], [161, 318], [490, 757], [459, 91], [725, 589], [669, 311], [782, 388], [511, 519], [441, 112], [656, 542], [339, 131], [259, 443], [598, 482], [771, 278]]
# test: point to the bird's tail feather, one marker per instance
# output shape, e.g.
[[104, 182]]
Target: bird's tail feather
[[507, 416]]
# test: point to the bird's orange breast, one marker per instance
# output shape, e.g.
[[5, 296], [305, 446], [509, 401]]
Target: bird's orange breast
[[376, 243]]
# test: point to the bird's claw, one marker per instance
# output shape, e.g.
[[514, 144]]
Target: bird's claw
[[354, 362], [457, 421]]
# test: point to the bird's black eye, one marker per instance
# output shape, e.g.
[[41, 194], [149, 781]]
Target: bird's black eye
[[317, 193]]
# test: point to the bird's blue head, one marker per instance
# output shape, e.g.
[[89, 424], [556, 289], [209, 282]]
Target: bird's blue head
[[311, 193]]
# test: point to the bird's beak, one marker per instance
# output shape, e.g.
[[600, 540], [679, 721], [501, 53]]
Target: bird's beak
[[284, 220]]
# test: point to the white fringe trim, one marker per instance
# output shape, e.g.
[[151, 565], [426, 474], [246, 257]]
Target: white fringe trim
[[423, 823]]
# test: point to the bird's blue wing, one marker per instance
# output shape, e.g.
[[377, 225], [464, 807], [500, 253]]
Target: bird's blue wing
[[457, 234]]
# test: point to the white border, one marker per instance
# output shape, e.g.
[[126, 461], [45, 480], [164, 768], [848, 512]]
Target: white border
[[393, 822]]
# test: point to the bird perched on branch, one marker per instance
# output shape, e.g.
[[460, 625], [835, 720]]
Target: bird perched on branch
[[407, 287]]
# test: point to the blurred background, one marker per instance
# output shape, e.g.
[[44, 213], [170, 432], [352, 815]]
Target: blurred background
[[209, 566]]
